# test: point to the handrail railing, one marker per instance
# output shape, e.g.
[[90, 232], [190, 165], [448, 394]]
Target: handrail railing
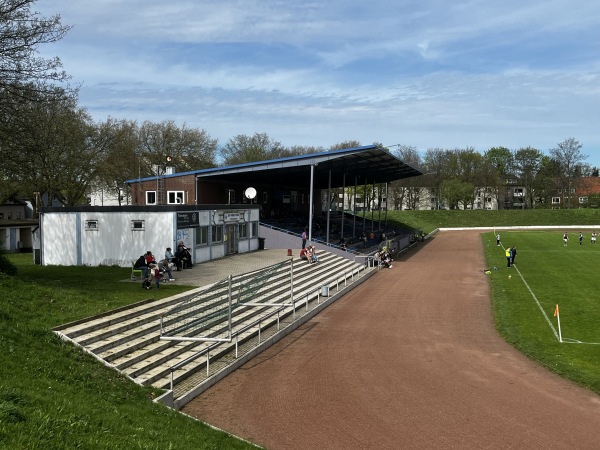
[[303, 299]]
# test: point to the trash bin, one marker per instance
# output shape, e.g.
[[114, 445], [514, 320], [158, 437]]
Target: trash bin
[[325, 290], [261, 243]]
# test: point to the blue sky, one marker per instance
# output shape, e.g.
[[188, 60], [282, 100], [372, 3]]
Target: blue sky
[[426, 73]]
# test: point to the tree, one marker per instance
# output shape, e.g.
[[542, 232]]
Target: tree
[[502, 159], [23, 75], [345, 144], [406, 191], [457, 192], [570, 160], [435, 162], [54, 149], [189, 148], [121, 162], [527, 164], [243, 149]]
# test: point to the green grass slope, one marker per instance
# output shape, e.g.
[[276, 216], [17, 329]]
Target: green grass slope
[[430, 220], [54, 396]]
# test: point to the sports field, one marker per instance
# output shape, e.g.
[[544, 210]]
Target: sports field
[[548, 273]]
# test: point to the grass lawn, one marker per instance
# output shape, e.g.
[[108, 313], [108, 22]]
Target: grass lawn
[[549, 273], [54, 396]]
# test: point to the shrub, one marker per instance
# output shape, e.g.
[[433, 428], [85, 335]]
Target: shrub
[[6, 266]]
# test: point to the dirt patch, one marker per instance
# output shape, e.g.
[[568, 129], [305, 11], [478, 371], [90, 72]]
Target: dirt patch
[[409, 359]]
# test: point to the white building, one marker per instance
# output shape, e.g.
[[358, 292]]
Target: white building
[[93, 235]]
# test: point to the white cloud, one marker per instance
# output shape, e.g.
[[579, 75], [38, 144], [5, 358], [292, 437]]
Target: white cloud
[[427, 73]]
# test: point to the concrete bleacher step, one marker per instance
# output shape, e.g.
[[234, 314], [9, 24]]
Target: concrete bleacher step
[[200, 364], [151, 357], [129, 338]]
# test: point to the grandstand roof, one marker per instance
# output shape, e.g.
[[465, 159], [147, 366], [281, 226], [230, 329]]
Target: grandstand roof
[[368, 164]]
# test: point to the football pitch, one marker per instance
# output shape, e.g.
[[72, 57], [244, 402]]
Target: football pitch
[[524, 298]]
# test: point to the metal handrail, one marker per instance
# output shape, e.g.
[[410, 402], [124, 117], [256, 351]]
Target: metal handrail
[[304, 297]]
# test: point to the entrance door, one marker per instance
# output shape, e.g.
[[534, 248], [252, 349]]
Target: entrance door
[[230, 231]]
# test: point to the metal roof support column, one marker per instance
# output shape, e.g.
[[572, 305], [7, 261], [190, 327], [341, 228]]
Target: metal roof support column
[[343, 198], [310, 202], [379, 206], [373, 207], [354, 209], [386, 203], [365, 207], [328, 206]]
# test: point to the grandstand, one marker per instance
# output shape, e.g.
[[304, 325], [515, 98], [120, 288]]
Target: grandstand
[[186, 343]]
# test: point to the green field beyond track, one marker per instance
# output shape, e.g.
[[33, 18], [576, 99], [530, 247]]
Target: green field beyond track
[[524, 298]]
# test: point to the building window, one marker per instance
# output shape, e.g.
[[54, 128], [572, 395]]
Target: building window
[[91, 225], [254, 230], [217, 233], [202, 236], [175, 197], [555, 200], [518, 192], [1, 216], [243, 230], [583, 199], [266, 198], [150, 197], [138, 225]]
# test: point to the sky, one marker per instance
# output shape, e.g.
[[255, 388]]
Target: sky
[[421, 73]]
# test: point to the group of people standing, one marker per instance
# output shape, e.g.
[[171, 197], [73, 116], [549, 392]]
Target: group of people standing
[[162, 271], [592, 238], [511, 254]]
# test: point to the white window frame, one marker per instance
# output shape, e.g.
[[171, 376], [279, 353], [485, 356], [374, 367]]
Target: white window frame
[[91, 225], [217, 234], [556, 200], [138, 225], [243, 230], [175, 197], [202, 236], [148, 202]]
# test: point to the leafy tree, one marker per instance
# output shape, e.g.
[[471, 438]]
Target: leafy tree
[[189, 148], [121, 162], [435, 163], [406, 191], [502, 159], [457, 192], [570, 160], [24, 75], [527, 163], [296, 150], [486, 179], [259, 147], [345, 144], [53, 149]]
